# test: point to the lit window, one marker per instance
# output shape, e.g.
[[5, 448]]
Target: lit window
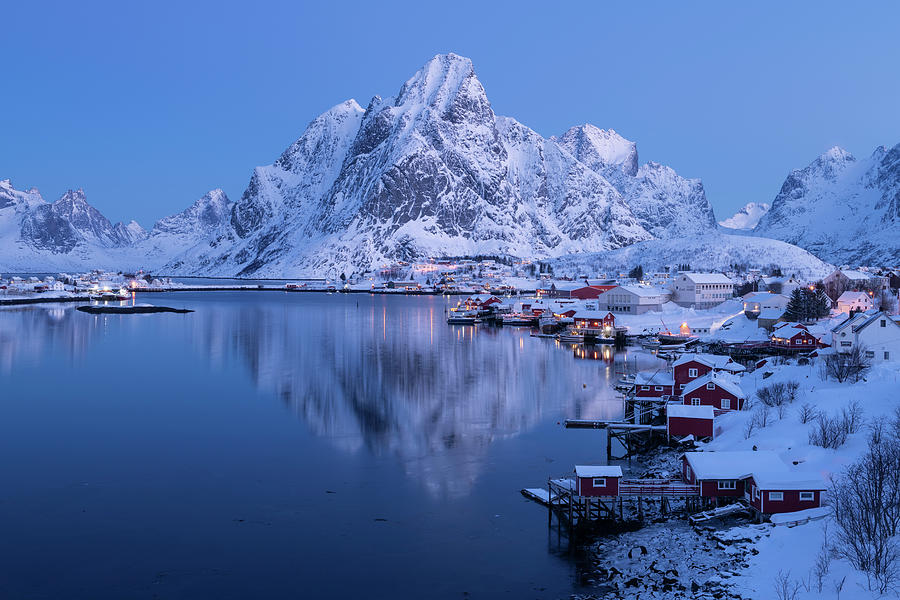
[[776, 496]]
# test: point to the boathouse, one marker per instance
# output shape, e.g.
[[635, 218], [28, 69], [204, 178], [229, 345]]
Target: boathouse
[[594, 481], [793, 336], [779, 491], [658, 384], [718, 390], [698, 421]]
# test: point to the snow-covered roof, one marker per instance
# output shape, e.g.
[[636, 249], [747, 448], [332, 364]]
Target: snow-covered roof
[[772, 313], [856, 275], [722, 380], [644, 291], [690, 412], [850, 296], [734, 464], [591, 314], [785, 480], [871, 319], [655, 378], [789, 329], [708, 278], [597, 471], [715, 361], [762, 296]]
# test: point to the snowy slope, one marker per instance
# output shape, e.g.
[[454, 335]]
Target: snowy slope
[[747, 217], [842, 209], [714, 251]]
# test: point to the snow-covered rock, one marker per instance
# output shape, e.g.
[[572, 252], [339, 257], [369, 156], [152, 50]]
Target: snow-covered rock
[[747, 217], [840, 208]]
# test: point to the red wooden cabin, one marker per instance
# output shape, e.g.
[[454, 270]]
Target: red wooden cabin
[[716, 390], [597, 480], [653, 384], [698, 421], [771, 493]]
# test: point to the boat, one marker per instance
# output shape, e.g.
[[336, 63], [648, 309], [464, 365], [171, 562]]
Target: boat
[[650, 344], [109, 296], [519, 320], [626, 382], [462, 317], [572, 336]]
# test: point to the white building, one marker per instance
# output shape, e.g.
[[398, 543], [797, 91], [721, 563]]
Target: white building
[[632, 299], [756, 302], [855, 301], [702, 290], [875, 332]]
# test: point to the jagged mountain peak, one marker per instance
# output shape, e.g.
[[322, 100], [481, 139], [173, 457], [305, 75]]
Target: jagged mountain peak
[[208, 212], [747, 217], [603, 150]]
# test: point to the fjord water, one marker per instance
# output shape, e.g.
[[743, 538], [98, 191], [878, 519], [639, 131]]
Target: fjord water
[[277, 445]]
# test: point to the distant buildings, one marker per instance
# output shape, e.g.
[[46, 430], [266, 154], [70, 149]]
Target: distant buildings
[[702, 290]]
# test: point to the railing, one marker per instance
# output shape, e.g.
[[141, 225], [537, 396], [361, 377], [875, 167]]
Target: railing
[[657, 487]]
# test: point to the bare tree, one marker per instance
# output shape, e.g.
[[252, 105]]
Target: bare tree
[[843, 366], [823, 562], [778, 393], [866, 502]]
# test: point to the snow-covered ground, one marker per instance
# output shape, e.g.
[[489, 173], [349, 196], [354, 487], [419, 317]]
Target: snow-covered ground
[[749, 570]]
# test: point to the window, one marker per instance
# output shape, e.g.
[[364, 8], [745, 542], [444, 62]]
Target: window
[[883, 323], [870, 354], [887, 355], [681, 386], [695, 401], [692, 372], [727, 484], [710, 386], [687, 472], [846, 344], [756, 494], [599, 481], [658, 388], [645, 387], [726, 403], [776, 496], [807, 496]]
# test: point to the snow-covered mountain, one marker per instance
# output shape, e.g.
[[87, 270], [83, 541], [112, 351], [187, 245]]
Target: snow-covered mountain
[[434, 171], [842, 209], [747, 217], [70, 234], [707, 252]]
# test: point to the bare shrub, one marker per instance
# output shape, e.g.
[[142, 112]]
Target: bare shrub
[[785, 589], [778, 393], [807, 412], [866, 502], [823, 563], [828, 432]]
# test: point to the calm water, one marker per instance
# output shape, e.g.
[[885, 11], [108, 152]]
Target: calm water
[[285, 446]]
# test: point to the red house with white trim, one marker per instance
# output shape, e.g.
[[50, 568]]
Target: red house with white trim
[[718, 390], [767, 484], [794, 336], [597, 480], [689, 367], [656, 384]]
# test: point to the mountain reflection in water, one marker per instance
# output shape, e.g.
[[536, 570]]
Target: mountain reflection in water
[[380, 374]]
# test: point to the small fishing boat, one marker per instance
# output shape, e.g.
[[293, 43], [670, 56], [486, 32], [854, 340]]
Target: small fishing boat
[[463, 317], [572, 336], [519, 320], [109, 296]]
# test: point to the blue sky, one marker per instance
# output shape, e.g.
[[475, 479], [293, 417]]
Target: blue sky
[[147, 106]]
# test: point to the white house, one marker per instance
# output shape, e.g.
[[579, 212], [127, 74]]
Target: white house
[[756, 302], [632, 299], [875, 332], [702, 290], [855, 301]]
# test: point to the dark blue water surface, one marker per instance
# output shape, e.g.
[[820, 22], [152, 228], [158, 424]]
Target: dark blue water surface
[[275, 445]]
